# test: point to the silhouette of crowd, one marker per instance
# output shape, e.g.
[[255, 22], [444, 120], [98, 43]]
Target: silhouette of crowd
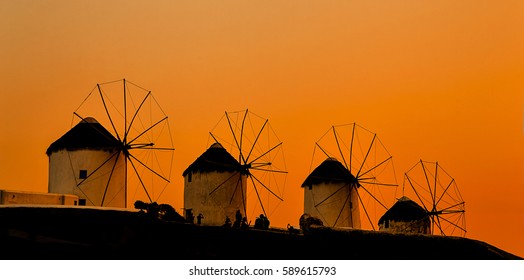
[[262, 222], [240, 221]]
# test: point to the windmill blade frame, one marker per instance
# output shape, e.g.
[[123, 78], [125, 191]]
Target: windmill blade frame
[[251, 140], [365, 168], [437, 192], [136, 120]]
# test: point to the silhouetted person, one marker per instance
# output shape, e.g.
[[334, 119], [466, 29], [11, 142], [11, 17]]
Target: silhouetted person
[[262, 222], [191, 217], [258, 223], [152, 210], [265, 221], [199, 218], [292, 230], [238, 215], [238, 219], [227, 223]]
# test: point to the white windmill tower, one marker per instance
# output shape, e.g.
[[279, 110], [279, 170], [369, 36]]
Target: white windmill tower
[[215, 167], [80, 152], [332, 181], [243, 170], [119, 151], [354, 182], [405, 216]]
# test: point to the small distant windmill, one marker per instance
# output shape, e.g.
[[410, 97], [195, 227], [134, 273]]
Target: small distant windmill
[[428, 184], [121, 142], [244, 169], [405, 216], [356, 178]]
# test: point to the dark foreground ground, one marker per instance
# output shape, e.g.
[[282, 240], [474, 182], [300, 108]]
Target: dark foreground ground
[[29, 233]]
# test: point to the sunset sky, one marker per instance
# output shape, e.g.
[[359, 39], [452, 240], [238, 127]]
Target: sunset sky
[[436, 80]]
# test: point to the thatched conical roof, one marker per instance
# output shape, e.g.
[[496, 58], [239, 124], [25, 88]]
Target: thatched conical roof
[[405, 210], [216, 158], [330, 171], [87, 134]]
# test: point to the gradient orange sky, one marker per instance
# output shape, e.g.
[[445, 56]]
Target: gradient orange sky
[[436, 80]]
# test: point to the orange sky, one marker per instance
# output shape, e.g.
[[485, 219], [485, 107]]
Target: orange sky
[[436, 80]]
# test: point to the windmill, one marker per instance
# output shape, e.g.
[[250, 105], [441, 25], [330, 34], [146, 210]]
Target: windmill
[[243, 169], [119, 151], [355, 181], [428, 184]]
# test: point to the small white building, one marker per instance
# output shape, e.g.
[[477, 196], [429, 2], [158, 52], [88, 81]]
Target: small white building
[[405, 216], [88, 162], [10, 197], [214, 186], [330, 194]]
